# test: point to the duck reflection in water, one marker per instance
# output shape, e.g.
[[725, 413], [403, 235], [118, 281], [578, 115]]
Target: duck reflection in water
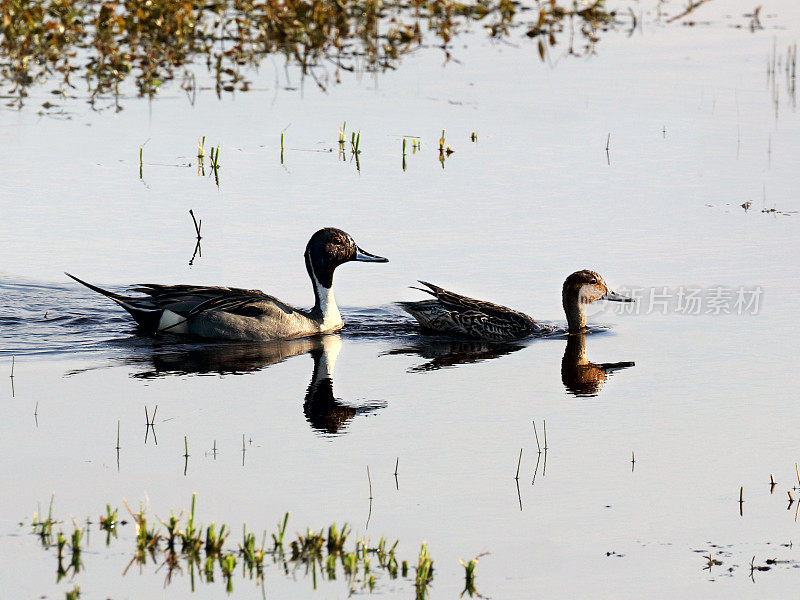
[[580, 376], [324, 412], [444, 353]]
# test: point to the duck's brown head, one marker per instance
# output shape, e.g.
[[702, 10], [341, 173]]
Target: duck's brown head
[[580, 289]]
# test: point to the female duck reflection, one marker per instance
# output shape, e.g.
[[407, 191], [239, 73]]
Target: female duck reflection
[[324, 412], [580, 376]]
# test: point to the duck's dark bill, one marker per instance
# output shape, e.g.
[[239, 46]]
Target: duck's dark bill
[[364, 256], [615, 297]]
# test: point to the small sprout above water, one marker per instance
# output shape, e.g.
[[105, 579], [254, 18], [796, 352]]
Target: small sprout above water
[[278, 538], [337, 538], [424, 570], [74, 593], [228, 564], [61, 542], [214, 156], [355, 142], [473, 136], [201, 142], [215, 541], [77, 535], [342, 129]]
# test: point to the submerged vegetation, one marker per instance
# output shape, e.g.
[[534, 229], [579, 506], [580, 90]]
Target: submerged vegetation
[[94, 46], [179, 546]]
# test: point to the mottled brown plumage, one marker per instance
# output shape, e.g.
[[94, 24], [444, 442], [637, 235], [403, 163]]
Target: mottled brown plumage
[[454, 314]]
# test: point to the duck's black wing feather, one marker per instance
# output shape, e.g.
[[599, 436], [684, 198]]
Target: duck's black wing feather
[[188, 300], [192, 300]]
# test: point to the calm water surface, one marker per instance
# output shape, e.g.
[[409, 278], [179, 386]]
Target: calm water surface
[[697, 128]]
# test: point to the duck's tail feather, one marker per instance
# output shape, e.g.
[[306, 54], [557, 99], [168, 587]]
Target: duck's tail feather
[[433, 291], [146, 314]]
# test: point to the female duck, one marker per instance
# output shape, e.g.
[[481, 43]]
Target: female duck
[[452, 314], [239, 314]]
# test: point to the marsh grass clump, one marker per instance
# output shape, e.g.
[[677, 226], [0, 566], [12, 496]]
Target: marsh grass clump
[[424, 571], [147, 538], [75, 545], [214, 157], [277, 538], [215, 541], [74, 593], [108, 523], [336, 538], [355, 143], [44, 527], [191, 541], [173, 529], [227, 563], [253, 556], [308, 547], [469, 575], [205, 551]]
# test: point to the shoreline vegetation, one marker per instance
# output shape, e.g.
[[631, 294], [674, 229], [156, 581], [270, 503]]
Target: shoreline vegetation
[[86, 48]]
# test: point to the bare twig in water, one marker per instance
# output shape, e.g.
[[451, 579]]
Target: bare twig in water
[[692, 5], [197, 225], [544, 426]]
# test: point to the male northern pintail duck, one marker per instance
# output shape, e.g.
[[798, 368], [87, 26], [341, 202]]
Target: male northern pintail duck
[[239, 314], [453, 314]]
